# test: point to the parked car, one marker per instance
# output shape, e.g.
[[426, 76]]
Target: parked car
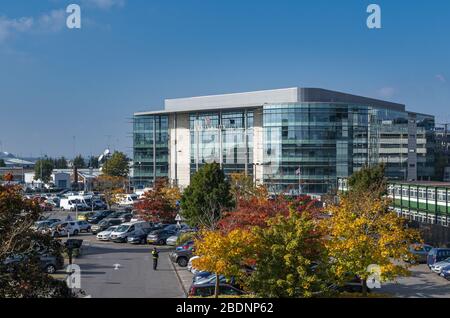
[[99, 216], [84, 226], [121, 234], [200, 276], [126, 217], [445, 272], [117, 214], [191, 268], [172, 241], [105, 235], [99, 204], [104, 224], [40, 225], [437, 267], [63, 228], [159, 237], [437, 255], [139, 238], [207, 290], [419, 253], [49, 264], [84, 216], [186, 246], [181, 257]]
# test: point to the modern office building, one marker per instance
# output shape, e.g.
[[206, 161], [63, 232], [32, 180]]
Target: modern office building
[[292, 140]]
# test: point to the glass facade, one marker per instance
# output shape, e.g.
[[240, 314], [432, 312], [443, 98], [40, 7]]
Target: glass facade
[[222, 137], [308, 146], [303, 147], [151, 149]]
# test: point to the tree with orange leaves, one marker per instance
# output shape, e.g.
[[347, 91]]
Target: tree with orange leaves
[[160, 203], [256, 211]]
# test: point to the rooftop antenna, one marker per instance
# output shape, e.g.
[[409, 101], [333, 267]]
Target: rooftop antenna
[[74, 148]]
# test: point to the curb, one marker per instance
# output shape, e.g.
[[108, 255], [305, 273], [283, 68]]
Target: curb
[[179, 278]]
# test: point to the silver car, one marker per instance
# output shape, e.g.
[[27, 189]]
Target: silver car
[[106, 235], [172, 241]]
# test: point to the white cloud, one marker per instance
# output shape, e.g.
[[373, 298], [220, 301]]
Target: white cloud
[[441, 78], [53, 21], [386, 92], [104, 4], [9, 27]]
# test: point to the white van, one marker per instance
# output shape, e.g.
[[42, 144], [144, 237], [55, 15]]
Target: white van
[[129, 200], [120, 235], [72, 205]]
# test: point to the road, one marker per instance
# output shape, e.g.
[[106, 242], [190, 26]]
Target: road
[[422, 283]]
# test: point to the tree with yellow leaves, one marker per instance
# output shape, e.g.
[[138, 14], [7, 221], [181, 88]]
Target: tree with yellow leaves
[[364, 232], [224, 253], [291, 259]]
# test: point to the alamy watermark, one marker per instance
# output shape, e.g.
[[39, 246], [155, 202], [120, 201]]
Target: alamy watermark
[[74, 16], [374, 279], [374, 19]]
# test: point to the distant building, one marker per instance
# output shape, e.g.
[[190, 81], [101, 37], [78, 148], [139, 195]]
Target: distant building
[[61, 180], [292, 140], [13, 161]]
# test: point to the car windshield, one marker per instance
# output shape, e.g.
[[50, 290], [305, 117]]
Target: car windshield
[[112, 229], [122, 228]]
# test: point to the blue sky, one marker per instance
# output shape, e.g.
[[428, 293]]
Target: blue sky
[[57, 83]]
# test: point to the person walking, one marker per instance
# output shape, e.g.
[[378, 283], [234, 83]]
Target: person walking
[[155, 255]]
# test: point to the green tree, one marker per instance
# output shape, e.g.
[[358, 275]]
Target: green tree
[[93, 162], [79, 162], [208, 196], [291, 258], [2, 163], [369, 179], [43, 170], [25, 279], [117, 165], [60, 163]]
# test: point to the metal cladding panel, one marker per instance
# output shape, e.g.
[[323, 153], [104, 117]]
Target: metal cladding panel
[[258, 98]]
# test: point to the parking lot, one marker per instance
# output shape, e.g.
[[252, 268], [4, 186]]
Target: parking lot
[[110, 270], [422, 283]]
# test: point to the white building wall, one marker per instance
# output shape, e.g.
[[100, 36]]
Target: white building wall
[[180, 149], [258, 146]]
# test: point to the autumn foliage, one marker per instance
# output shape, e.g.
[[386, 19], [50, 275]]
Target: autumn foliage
[[257, 210], [160, 203]]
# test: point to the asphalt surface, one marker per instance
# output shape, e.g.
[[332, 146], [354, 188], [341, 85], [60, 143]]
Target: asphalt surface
[[422, 283], [111, 270]]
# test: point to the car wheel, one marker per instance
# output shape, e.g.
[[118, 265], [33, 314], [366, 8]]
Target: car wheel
[[88, 230], [75, 233], [182, 261], [161, 242], [143, 241], [50, 269]]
